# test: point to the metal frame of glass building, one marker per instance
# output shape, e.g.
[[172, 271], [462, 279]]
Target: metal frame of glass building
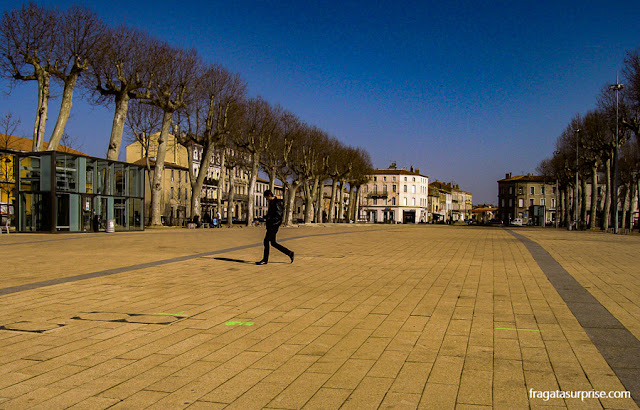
[[61, 192]]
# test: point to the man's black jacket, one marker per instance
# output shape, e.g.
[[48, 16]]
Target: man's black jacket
[[274, 213]]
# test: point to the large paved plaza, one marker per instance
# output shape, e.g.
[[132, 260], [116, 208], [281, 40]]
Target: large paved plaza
[[366, 317]]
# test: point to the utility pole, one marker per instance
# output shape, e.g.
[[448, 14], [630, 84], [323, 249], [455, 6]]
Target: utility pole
[[616, 87]]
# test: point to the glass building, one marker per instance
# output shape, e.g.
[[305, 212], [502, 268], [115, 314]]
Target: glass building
[[61, 192]]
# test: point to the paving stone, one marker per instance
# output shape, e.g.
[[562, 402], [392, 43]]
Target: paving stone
[[403, 329]]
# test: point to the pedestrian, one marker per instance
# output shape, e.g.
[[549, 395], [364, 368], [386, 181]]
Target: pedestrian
[[273, 222], [219, 218]]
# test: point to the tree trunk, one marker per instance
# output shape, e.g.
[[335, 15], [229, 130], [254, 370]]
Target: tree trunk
[[311, 189], [356, 205], [332, 203], [220, 189], [567, 217], [255, 162], [272, 179], [291, 200], [352, 194], [65, 109], [198, 181], [320, 202], [625, 204], [638, 202], [158, 173], [594, 196], [583, 203], [230, 196], [119, 118], [606, 211], [341, 204], [43, 108]]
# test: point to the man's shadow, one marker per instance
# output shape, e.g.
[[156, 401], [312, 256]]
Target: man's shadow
[[239, 261]]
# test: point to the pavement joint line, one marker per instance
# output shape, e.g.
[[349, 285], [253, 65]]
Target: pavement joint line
[[113, 271], [520, 330], [619, 347]]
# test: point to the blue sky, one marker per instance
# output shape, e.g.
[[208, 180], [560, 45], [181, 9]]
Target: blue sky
[[465, 90]]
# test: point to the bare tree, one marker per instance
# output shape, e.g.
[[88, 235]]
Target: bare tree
[[144, 120], [8, 127], [120, 70], [27, 39], [174, 72], [205, 123], [80, 31]]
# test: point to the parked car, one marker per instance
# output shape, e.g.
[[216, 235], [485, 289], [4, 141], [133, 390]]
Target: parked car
[[517, 222], [495, 222]]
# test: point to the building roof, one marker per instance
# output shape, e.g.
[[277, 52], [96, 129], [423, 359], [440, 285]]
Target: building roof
[[167, 164], [13, 143], [523, 178], [394, 171]]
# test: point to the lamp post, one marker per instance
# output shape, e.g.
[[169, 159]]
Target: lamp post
[[575, 198], [616, 87]]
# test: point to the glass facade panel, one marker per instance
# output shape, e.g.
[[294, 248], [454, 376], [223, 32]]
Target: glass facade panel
[[66, 173], [90, 176], [120, 180], [35, 212], [78, 195], [30, 174]]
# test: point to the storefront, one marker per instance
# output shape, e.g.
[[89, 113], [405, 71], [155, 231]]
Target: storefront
[[61, 192]]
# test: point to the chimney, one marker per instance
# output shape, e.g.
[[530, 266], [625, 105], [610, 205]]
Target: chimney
[[508, 175], [417, 170], [411, 168]]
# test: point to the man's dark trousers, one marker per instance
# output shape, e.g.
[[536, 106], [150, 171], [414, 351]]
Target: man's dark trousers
[[270, 237]]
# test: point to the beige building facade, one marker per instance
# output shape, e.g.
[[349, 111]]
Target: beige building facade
[[395, 195]]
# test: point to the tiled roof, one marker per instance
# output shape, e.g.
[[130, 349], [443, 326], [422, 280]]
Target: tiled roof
[[524, 178], [393, 171], [13, 143], [167, 164]]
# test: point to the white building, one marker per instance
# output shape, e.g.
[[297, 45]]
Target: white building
[[395, 195]]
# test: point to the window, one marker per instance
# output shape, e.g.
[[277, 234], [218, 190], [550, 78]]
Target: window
[[542, 190], [405, 188], [171, 175], [394, 178], [405, 179], [554, 190], [414, 179], [414, 202], [375, 179], [542, 201], [510, 190], [171, 193], [393, 188], [553, 202], [532, 190], [413, 189], [503, 202], [375, 201], [520, 202], [405, 201], [531, 202], [393, 200], [510, 202], [519, 190], [384, 178]]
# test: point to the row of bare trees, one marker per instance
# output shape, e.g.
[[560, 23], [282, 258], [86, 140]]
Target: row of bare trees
[[588, 148], [160, 89]]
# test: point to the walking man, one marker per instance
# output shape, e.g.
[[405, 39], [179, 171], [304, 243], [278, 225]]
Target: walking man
[[273, 221]]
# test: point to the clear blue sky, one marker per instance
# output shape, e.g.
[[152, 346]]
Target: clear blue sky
[[464, 90]]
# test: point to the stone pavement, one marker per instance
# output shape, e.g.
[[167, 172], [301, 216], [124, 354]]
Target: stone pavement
[[367, 317]]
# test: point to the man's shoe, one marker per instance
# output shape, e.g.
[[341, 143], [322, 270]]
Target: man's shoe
[[291, 256], [261, 263]]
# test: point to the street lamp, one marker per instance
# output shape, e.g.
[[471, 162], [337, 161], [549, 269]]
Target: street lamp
[[616, 87], [575, 199]]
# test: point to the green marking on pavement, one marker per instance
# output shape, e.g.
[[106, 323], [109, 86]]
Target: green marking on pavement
[[239, 323], [171, 314], [512, 328]]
